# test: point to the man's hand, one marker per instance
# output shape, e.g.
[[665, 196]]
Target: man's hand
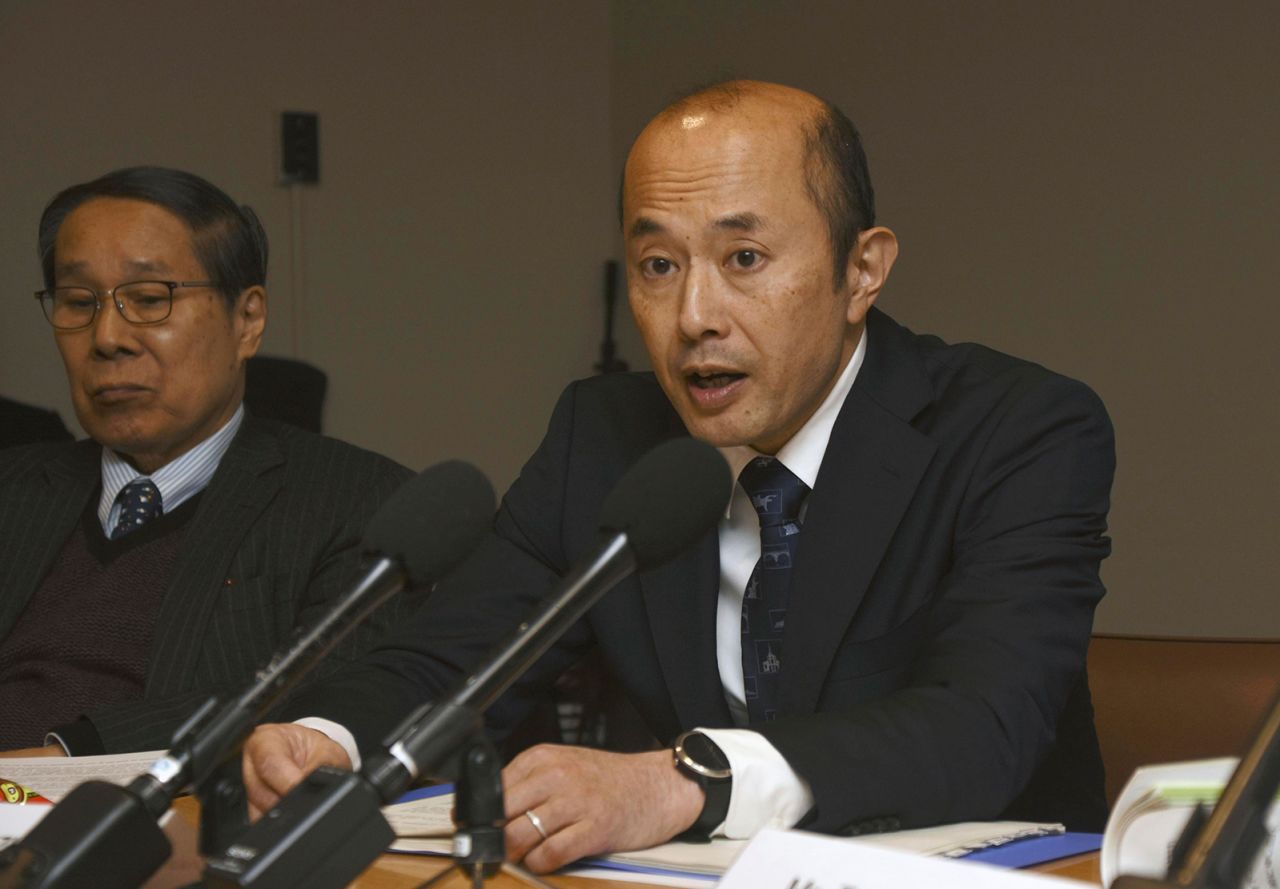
[[278, 756], [590, 802], [47, 750]]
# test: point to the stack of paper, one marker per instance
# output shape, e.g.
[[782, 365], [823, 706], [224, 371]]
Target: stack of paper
[[1153, 809], [423, 825]]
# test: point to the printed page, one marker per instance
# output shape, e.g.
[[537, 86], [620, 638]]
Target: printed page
[[54, 776]]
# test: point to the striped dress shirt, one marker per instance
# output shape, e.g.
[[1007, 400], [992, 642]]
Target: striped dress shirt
[[178, 481]]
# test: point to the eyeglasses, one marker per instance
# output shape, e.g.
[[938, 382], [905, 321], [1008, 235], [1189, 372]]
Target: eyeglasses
[[138, 302]]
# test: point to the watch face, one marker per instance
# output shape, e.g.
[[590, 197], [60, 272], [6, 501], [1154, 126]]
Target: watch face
[[703, 757], [701, 750]]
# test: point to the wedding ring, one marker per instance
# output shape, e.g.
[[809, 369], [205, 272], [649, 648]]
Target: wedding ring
[[536, 822]]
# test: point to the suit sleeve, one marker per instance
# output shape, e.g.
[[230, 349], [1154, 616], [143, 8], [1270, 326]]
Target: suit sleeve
[[1007, 632], [468, 614], [314, 579]]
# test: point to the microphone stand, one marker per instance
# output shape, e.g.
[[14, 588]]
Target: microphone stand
[[1215, 852], [479, 845], [328, 829], [107, 836], [609, 361]]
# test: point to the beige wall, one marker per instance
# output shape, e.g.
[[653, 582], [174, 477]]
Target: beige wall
[[1092, 186], [1095, 186], [452, 251]]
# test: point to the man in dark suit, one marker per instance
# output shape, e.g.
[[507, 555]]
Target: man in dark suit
[[888, 628], [168, 556]]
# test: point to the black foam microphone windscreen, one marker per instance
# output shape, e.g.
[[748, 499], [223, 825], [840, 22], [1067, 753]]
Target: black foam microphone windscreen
[[673, 495], [432, 521]]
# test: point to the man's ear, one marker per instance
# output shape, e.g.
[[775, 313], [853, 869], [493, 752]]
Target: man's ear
[[251, 320], [870, 262]]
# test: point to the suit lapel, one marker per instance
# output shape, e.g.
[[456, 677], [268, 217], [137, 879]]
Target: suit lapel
[[236, 496], [36, 533], [684, 637], [873, 463]]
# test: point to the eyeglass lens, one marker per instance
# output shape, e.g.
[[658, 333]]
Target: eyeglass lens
[[141, 302]]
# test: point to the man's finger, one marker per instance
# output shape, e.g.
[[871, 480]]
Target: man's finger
[[277, 757], [520, 836], [565, 847], [527, 762], [552, 813], [530, 794], [267, 765]]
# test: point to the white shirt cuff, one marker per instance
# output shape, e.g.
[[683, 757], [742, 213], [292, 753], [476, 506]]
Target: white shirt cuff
[[337, 733], [767, 792], [55, 738]]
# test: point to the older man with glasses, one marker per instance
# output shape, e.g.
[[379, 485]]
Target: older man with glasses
[[169, 555]]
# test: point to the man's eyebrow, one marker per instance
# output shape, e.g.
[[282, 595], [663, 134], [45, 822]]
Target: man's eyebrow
[[645, 226], [743, 222]]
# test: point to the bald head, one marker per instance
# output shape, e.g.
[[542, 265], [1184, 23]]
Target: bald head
[[834, 166], [745, 95]]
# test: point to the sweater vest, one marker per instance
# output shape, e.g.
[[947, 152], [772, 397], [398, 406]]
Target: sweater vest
[[84, 640]]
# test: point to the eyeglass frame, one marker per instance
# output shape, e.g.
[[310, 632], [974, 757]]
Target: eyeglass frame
[[111, 293]]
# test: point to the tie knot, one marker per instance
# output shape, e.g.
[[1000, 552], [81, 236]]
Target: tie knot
[[139, 504], [774, 490]]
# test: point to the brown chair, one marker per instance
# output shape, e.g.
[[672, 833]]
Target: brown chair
[[1161, 699]]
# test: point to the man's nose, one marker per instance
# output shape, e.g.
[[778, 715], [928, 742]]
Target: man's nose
[[703, 312], [111, 333]]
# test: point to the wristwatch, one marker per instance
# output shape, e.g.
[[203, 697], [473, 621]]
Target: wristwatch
[[699, 759]]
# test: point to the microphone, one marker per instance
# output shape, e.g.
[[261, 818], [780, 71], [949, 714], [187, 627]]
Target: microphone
[[106, 836], [327, 829], [638, 531]]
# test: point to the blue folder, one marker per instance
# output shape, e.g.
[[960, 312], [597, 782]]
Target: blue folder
[[1038, 850]]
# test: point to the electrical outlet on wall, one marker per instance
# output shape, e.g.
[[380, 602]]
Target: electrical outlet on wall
[[299, 147]]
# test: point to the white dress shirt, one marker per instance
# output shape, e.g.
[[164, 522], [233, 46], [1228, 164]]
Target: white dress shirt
[[766, 790]]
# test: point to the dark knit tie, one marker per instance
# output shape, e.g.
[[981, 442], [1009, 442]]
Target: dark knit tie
[[776, 495], [139, 504]]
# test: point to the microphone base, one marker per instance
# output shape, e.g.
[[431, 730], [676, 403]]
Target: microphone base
[[100, 835], [325, 832], [476, 874], [479, 845], [224, 806]]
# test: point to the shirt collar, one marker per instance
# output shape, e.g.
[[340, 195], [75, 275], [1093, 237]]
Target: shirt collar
[[803, 453], [178, 480]]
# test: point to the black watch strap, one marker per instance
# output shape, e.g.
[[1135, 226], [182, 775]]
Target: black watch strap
[[700, 760]]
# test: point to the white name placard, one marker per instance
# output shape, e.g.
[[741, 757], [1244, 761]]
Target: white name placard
[[792, 859]]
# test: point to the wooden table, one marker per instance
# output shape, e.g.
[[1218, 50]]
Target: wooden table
[[396, 871], [1086, 868]]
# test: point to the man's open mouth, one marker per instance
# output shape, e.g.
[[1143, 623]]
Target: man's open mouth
[[713, 380]]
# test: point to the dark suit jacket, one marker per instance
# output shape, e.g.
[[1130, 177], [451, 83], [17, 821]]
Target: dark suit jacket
[[274, 538], [940, 607]]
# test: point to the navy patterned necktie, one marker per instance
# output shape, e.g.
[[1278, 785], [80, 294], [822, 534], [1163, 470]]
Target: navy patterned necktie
[[777, 496], [139, 504]]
